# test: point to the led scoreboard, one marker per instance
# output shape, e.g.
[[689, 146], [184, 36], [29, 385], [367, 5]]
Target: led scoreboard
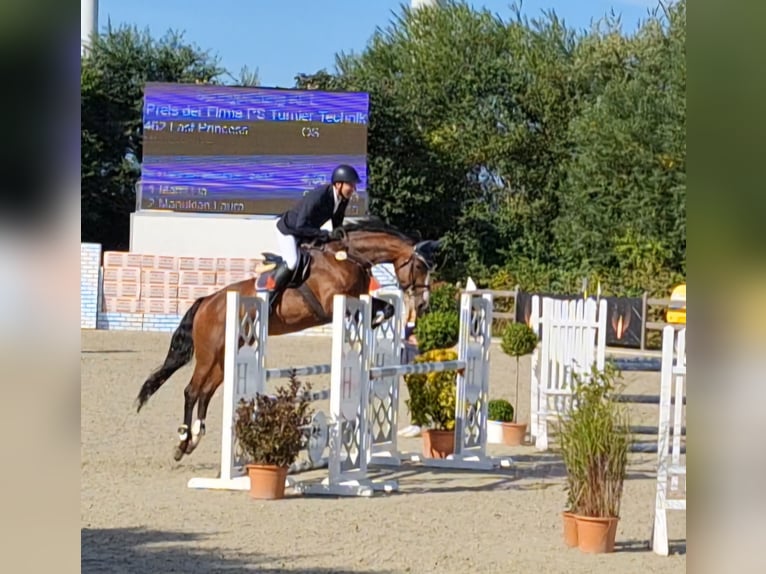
[[235, 150]]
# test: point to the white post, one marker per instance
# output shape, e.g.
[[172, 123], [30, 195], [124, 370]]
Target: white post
[[230, 371], [88, 23], [415, 4], [669, 465], [534, 385]]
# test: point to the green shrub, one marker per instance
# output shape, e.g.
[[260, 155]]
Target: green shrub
[[433, 395], [518, 339], [500, 410], [444, 298], [595, 441], [437, 330]]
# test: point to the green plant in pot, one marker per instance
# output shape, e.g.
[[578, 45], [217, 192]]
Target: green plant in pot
[[444, 298], [437, 330], [436, 398], [595, 440], [518, 339], [269, 430], [499, 417]]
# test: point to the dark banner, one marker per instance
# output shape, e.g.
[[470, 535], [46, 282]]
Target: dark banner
[[225, 149], [523, 310], [623, 323]]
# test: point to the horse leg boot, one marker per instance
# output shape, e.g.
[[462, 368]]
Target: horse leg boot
[[198, 427], [190, 399], [381, 312], [281, 276]]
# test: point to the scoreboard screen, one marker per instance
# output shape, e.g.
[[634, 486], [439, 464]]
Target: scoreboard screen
[[235, 150]]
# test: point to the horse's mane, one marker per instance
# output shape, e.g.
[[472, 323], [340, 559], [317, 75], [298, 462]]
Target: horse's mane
[[376, 224]]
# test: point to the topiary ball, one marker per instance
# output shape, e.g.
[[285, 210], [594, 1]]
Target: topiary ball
[[518, 339]]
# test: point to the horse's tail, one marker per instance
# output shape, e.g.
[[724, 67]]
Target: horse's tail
[[180, 352]]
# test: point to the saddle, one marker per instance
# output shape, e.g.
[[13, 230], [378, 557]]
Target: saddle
[[299, 276], [297, 280]]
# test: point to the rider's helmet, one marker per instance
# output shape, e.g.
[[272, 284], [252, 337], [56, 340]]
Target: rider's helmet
[[345, 174]]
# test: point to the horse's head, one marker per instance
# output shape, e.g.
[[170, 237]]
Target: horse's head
[[413, 271], [413, 261]]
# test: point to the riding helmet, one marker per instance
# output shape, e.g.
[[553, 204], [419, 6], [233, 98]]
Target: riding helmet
[[345, 174]]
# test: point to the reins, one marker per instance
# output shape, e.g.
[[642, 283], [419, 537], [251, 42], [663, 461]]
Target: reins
[[367, 264]]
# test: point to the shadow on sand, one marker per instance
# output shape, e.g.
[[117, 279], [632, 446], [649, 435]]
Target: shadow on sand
[[140, 551], [675, 546], [105, 351]]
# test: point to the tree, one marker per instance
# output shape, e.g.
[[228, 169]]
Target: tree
[[624, 196], [113, 75], [541, 155]]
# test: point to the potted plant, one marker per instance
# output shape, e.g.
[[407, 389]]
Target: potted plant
[[518, 339], [436, 331], [500, 426], [572, 489], [269, 430], [595, 441], [436, 394]]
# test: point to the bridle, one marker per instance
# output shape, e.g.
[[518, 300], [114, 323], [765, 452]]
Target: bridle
[[367, 265], [412, 285]]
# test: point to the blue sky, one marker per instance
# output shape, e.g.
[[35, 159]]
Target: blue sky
[[282, 38]]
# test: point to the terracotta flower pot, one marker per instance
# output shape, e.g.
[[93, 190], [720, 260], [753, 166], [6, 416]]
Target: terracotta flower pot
[[514, 433], [570, 529], [438, 443], [267, 482], [595, 535]]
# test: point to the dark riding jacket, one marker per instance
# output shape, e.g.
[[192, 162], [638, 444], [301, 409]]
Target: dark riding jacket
[[305, 219]]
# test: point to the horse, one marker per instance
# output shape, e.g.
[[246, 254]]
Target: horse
[[342, 265]]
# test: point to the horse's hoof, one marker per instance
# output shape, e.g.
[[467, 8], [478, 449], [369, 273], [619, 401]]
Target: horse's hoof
[[178, 453]]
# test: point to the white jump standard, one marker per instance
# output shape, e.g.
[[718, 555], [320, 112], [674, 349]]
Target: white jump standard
[[365, 374]]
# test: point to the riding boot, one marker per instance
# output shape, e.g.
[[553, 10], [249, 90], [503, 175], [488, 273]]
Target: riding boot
[[282, 275]]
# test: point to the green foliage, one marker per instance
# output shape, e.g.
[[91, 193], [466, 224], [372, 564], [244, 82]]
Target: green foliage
[[112, 81], [444, 298], [595, 441], [433, 395], [539, 153], [518, 339], [268, 428], [500, 410], [437, 330]]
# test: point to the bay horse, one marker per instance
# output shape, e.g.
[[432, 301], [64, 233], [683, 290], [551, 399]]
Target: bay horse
[[303, 304]]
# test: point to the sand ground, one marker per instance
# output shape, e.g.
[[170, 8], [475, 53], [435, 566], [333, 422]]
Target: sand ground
[[137, 514]]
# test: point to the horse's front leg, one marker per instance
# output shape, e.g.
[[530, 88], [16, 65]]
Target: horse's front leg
[[382, 311]]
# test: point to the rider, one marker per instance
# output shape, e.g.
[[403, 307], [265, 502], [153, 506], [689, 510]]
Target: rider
[[304, 220]]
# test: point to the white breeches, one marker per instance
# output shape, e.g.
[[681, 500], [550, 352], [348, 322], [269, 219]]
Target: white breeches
[[288, 249]]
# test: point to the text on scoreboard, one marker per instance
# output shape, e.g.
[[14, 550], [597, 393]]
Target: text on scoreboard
[[247, 150]]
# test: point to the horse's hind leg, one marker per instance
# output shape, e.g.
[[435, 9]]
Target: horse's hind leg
[[191, 395], [190, 399], [212, 382]]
